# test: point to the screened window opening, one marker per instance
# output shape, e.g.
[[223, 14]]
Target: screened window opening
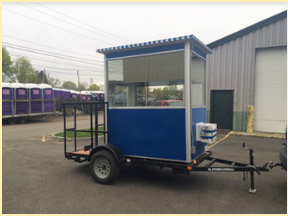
[[154, 80]]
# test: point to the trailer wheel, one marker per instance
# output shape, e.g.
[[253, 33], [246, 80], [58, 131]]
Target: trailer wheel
[[104, 167], [12, 121], [22, 120]]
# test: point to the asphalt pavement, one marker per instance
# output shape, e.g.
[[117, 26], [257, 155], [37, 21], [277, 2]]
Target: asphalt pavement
[[37, 179]]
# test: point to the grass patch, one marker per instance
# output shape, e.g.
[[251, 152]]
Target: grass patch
[[70, 134]]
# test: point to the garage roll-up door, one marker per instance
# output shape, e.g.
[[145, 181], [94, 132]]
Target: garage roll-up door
[[270, 107]]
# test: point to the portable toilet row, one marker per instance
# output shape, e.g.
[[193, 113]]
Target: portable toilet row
[[20, 99]]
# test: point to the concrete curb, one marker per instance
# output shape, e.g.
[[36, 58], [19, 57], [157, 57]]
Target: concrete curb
[[260, 134], [82, 139]]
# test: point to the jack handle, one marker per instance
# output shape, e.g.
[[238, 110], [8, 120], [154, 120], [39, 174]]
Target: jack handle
[[249, 149]]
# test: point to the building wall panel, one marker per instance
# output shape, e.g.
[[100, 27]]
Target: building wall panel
[[232, 66]]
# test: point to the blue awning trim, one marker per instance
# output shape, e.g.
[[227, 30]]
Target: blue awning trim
[[182, 38]]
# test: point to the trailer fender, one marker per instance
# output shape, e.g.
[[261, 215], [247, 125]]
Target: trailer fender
[[111, 148]]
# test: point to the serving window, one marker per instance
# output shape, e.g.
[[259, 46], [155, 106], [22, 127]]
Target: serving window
[[152, 80]]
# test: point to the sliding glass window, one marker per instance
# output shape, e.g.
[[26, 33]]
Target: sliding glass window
[[198, 81], [152, 80]]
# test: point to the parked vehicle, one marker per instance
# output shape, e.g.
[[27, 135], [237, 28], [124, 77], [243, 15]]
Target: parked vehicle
[[167, 103]]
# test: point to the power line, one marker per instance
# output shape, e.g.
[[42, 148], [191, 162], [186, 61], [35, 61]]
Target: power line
[[55, 26], [41, 59], [44, 54], [50, 52], [49, 46], [63, 58], [83, 23], [67, 22], [75, 73], [66, 68]]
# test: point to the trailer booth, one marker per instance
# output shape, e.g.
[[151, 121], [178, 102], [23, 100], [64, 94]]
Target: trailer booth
[[154, 113], [156, 96]]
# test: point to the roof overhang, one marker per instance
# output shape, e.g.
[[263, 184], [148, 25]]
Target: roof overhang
[[155, 43]]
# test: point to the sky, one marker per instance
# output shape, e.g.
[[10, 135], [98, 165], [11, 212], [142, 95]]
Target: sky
[[63, 37]]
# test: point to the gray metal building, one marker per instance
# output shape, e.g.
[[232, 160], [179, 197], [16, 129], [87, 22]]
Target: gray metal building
[[249, 67]]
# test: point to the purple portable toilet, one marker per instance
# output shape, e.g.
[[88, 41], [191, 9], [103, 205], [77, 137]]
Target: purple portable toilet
[[57, 97], [89, 96], [84, 96], [34, 95], [66, 94], [47, 97], [96, 95], [7, 99], [20, 98], [57, 93], [101, 99], [74, 94]]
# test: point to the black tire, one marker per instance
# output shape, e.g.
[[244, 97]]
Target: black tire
[[12, 121], [22, 120], [104, 167]]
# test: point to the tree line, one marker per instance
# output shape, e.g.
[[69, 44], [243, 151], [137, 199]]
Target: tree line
[[21, 70]]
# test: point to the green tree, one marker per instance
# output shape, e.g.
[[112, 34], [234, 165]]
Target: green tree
[[83, 86], [69, 85], [23, 71], [54, 82], [94, 87], [6, 63], [42, 76]]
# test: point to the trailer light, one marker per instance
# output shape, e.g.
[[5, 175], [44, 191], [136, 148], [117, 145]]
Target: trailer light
[[189, 168], [67, 154]]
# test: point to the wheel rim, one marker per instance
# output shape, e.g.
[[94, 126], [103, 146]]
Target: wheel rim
[[102, 167]]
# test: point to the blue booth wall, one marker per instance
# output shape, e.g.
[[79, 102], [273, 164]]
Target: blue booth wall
[[198, 115], [151, 133]]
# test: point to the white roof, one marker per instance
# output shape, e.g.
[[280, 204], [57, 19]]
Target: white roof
[[18, 85], [6, 85], [74, 92], [65, 90], [83, 92], [43, 86], [31, 85]]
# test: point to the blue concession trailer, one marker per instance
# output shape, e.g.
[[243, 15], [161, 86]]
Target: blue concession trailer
[[140, 75], [155, 112]]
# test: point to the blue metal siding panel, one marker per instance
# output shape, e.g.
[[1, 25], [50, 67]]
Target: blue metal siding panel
[[153, 133], [142, 50], [198, 115]]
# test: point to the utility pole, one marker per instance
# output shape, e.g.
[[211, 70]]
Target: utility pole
[[91, 81], [27, 73], [80, 92], [43, 75]]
